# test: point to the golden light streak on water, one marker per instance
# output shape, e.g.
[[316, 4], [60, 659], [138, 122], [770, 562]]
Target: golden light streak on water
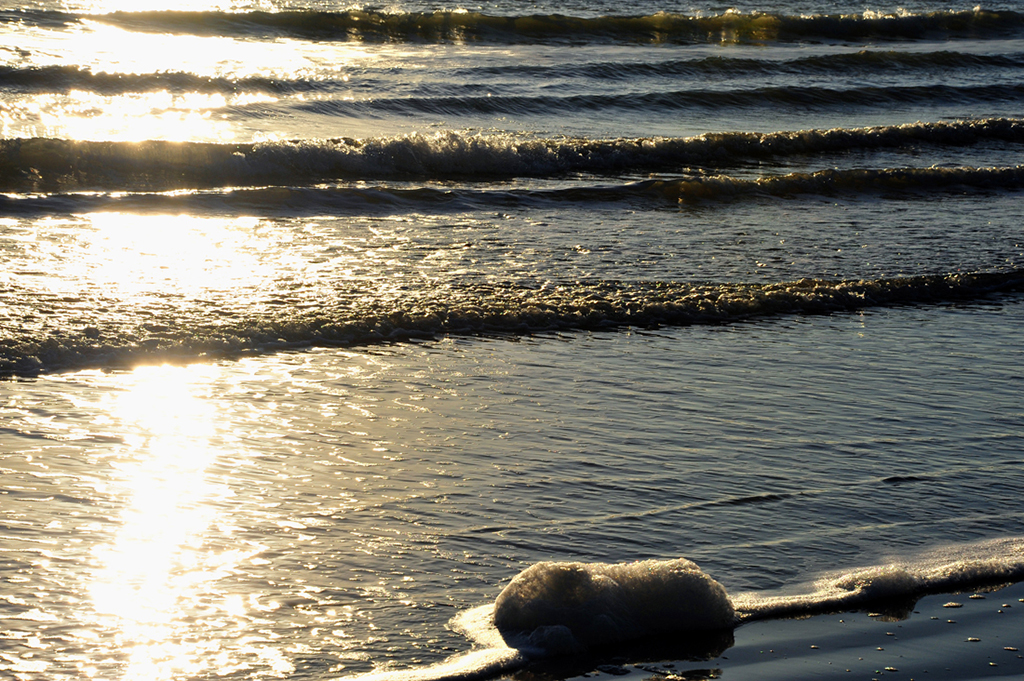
[[159, 585], [158, 105], [111, 49], [134, 117], [130, 255], [152, 112], [152, 567]]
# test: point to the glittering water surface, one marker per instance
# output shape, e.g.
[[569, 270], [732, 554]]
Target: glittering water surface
[[331, 510], [319, 323]]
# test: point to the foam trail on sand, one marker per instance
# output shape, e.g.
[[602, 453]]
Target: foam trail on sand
[[1000, 562]]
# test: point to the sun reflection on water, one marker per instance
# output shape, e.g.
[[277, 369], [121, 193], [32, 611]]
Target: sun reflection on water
[[149, 569], [128, 255], [157, 585]]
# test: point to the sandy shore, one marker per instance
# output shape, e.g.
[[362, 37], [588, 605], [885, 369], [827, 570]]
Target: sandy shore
[[962, 636]]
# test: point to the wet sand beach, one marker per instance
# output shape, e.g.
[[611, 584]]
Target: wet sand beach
[[955, 637]]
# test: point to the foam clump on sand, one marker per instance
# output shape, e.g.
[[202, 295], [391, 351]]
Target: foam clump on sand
[[560, 608]]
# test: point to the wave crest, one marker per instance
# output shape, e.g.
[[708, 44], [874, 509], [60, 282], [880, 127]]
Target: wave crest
[[46, 164], [470, 309]]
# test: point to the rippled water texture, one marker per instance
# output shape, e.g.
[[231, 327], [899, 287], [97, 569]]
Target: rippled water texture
[[331, 510], [319, 324]]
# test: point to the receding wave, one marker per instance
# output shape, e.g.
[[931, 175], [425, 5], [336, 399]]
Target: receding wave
[[361, 317], [460, 26], [48, 165], [571, 608]]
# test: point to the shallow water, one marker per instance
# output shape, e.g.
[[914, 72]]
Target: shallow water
[[333, 509], [318, 328]]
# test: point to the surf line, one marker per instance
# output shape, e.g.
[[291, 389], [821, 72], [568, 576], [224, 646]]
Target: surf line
[[555, 609]]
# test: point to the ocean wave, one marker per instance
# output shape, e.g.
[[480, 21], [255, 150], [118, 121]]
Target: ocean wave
[[881, 61], [65, 78], [562, 608], [50, 165], [903, 181], [793, 96], [870, 62], [461, 26], [906, 183], [57, 78], [28, 349]]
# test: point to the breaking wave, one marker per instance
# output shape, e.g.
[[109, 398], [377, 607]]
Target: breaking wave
[[471, 309], [461, 26], [561, 608], [46, 164]]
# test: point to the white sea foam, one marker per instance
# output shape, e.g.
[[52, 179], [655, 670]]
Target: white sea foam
[[941, 571], [571, 607], [25, 350]]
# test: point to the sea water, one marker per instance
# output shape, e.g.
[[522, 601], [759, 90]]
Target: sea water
[[332, 336]]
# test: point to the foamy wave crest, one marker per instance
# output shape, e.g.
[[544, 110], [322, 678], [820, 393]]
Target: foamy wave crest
[[460, 26], [48, 165], [477, 664], [383, 200], [553, 609], [361, 317], [792, 96]]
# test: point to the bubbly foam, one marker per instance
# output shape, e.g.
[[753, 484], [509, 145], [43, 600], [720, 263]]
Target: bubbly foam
[[477, 664], [999, 562], [466, 310], [571, 607]]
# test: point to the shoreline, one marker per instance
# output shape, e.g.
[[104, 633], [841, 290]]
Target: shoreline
[[958, 636]]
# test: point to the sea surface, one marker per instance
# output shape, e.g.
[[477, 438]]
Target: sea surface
[[321, 323]]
